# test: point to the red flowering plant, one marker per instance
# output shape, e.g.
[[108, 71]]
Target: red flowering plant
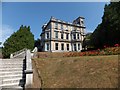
[[116, 45]]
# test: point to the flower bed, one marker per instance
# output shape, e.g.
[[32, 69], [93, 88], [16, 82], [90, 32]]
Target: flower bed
[[106, 51]]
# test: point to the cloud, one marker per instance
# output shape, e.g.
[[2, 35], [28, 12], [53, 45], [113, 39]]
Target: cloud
[[5, 33]]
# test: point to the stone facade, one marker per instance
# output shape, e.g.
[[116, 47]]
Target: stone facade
[[61, 36]]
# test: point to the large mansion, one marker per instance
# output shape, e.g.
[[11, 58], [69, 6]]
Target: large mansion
[[61, 36]]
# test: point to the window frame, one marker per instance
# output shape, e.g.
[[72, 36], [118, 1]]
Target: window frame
[[67, 47], [78, 46], [62, 46], [78, 36], [74, 36], [67, 36], [47, 46], [56, 25], [62, 35], [47, 35], [56, 34], [56, 46], [75, 49]]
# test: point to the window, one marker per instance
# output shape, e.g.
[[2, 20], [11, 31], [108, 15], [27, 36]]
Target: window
[[67, 36], [56, 34], [56, 46], [47, 35], [74, 36], [47, 46], [68, 47], [78, 36], [72, 28], [75, 47], [56, 25], [61, 26], [62, 46], [78, 46], [66, 27], [62, 37], [82, 22]]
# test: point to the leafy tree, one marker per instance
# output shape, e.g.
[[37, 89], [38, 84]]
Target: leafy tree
[[107, 33], [38, 44], [23, 38], [86, 41]]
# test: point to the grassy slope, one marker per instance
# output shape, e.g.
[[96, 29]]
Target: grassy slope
[[81, 72]]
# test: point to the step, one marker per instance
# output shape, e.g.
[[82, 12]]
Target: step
[[11, 76], [11, 62], [12, 85], [12, 80], [11, 73], [12, 66], [9, 69], [14, 59], [12, 88]]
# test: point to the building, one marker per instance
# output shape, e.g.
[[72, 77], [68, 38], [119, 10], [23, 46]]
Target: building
[[61, 36]]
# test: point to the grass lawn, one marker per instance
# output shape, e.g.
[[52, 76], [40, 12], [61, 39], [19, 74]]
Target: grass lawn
[[78, 72]]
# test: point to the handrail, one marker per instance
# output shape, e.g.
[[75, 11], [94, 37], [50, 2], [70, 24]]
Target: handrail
[[28, 70], [24, 49], [17, 53]]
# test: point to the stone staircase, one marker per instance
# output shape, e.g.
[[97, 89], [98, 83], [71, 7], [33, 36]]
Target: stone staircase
[[16, 72], [12, 73]]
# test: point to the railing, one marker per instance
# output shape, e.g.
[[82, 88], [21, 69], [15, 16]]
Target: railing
[[26, 54], [28, 71], [18, 53]]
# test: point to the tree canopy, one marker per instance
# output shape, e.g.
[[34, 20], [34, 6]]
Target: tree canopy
[[108, 32], [23, 38]]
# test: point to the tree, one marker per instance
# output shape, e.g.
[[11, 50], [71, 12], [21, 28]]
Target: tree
[[107, 33], [38, 44], [86, 42], [23, 38]]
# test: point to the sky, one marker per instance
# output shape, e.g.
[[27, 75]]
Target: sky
[[35, 14]]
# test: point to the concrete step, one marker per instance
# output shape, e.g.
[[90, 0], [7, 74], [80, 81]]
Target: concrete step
[[11, 62], [11, 73], [12, 66], [13, 59], [9, 69], [12, 85], [12, 88], [11, 76], [12, 80], [3, 64]]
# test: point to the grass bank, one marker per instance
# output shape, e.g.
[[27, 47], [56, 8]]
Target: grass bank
[[78, 72]]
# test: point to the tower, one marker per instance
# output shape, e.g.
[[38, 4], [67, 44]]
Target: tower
[[79, 21]]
